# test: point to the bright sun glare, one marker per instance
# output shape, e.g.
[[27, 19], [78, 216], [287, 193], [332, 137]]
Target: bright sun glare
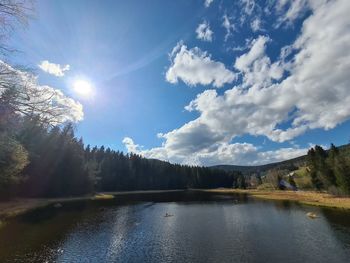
[[83, 88]]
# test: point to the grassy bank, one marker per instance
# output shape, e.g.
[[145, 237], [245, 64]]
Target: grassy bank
[[304, 197], [20, 206]]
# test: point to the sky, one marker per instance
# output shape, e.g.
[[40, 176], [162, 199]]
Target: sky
[[200, 82]]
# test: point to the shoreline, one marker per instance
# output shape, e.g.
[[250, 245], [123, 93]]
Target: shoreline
[[303, 197], [19, 206]]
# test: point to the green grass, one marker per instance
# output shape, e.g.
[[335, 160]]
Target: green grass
[[301, 172], [302, 178], [102, 197]]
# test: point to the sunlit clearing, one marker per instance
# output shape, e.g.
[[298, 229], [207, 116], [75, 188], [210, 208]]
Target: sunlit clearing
[[83, 88]]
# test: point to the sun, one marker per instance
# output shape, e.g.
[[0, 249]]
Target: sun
[[83, 88]]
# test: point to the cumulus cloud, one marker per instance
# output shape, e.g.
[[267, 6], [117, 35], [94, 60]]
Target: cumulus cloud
[[222, 153], [257, 51], [130, 146], [193, 66], [204, 32], [31, 98], [306, 88], [53, 69], [256, 67], [207, 3]]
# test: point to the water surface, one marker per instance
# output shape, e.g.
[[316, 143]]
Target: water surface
[[203, 228]]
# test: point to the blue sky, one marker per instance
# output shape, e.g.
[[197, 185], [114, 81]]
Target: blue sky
[[198, 82]]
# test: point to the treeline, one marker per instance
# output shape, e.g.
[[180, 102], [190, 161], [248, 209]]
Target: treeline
[[330, 170], [39, 160]]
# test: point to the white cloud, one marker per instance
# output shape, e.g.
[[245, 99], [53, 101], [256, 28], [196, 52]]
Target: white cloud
[[207, 3], [247, 45], [281, 154], [256, 67], [130, 145], [204, 32], [194, 66], [257, 51], [222, 153], [320, 71], [53, 69], [50, 103], [248, 6], [290, 10], [230, 27], [256, 25]]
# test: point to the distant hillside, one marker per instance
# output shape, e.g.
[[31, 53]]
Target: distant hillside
[[291, 164]]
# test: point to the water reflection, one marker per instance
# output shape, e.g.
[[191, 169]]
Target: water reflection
[[204, 228]]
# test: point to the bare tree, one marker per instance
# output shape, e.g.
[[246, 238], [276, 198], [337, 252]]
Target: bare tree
[[12, 14], [21, 94], [19, 90]]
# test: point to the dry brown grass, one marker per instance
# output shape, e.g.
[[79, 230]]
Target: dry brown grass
[[22, 205], [305, 197], [18, 206]]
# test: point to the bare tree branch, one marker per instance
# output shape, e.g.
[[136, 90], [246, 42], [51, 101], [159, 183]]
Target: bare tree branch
[[20, 94], [13, 13]]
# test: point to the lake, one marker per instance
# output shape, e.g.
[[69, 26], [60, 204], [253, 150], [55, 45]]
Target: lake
[[200, 227]]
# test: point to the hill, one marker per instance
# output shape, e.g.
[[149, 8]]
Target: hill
[[290, 165]]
